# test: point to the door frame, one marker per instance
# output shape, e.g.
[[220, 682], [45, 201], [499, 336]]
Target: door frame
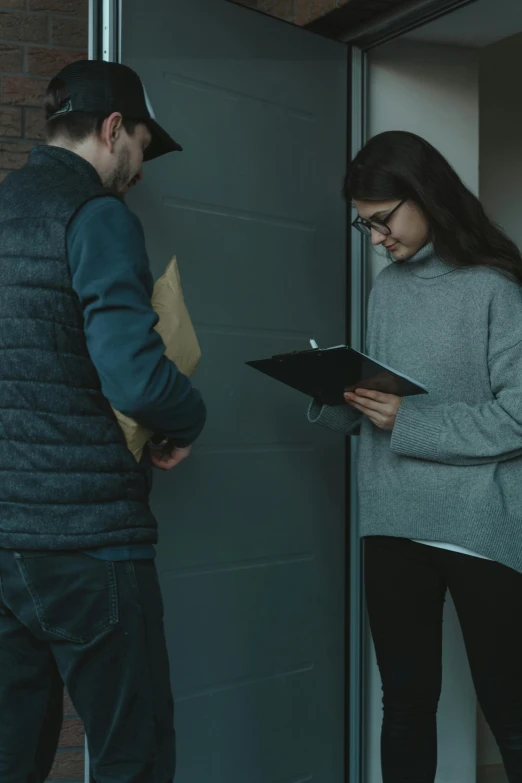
[[355, 328]]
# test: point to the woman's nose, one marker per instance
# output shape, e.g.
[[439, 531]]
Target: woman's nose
[[377, 237]]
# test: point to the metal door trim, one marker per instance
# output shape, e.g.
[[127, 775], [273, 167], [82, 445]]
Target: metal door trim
[[396, 22], [104, 43], [356, 338], [110, 25]]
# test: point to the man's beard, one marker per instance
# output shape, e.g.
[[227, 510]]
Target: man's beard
[[120, 179]]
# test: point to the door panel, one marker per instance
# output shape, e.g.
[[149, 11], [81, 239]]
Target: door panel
[[252, 527]]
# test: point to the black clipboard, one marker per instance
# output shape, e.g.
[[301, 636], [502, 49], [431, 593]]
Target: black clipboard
[[325, 374]]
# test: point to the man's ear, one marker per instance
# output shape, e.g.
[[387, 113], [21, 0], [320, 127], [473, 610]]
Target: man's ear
[[111, 130]]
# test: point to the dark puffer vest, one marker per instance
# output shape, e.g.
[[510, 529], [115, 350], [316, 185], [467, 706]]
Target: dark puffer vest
[[67, 479]]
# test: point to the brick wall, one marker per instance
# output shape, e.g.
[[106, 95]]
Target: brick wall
[[37, 38], [70, 759], [299, 12]]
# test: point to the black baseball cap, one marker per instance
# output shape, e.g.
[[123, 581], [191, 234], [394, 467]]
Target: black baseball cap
[[103, 87]]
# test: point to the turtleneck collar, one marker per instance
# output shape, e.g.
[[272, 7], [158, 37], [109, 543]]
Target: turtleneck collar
[[426, 264]]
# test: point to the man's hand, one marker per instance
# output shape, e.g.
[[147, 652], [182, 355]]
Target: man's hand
[[169, 459], [380, 408]]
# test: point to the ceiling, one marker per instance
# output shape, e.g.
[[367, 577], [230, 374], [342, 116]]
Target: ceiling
[[479, 24], [324, 17]]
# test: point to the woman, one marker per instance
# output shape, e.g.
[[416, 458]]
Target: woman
[[440, 475]]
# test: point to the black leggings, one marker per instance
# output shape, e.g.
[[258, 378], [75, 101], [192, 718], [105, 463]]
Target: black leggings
[[406, 584]]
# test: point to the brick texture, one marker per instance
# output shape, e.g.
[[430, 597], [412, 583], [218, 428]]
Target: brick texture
[[46, 62], [324, 13], [72, 735], [74, 7], [34, 124], [68, 708], [284, 9], [70, 758], [14, 4], [10, 121], [300, 12], [67, 31], [22, 91], [316, 9], [29, 28], [39, 37], [11, 58], [13, 154], [68, 765], [70, 761]]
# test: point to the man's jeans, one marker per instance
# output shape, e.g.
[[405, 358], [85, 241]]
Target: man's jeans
[[96, 626]]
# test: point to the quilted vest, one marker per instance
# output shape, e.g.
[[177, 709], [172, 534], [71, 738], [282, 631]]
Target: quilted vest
[[67, 479]]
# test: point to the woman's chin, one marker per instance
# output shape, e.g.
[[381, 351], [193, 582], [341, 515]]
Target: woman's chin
[[394, 250]]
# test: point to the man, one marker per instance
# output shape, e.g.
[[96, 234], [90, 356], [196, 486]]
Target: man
[[79, 594]]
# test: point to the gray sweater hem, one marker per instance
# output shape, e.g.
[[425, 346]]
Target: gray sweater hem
[[484, 527]]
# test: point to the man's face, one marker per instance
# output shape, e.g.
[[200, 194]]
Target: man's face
[[127, 159]]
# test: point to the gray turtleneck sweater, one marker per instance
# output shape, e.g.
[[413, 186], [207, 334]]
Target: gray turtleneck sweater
[[451, 469]]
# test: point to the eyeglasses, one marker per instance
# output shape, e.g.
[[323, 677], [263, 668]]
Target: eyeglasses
[[381, 226]]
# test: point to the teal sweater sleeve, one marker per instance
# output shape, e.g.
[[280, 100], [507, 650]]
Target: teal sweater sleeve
[[111, 276]]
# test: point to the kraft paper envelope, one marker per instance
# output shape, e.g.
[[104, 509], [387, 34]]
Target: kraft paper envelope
[[181, 345]]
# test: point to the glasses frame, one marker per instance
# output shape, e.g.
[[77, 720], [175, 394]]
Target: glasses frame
[[381, 226]]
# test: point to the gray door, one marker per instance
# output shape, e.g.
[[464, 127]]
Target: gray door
[[252, 527]]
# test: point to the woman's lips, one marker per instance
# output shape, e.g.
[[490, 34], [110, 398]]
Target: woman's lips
[[391, 248]]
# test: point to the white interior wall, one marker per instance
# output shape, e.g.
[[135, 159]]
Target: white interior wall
[[431, 90], [500, 155]]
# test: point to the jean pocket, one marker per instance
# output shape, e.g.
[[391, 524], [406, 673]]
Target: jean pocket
[[75, 596]]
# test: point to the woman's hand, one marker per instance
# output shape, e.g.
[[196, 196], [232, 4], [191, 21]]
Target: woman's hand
[[380, 408]]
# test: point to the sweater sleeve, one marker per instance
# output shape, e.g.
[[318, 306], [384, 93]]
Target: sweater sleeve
[[462, 434], [111, 276], [339, 418]]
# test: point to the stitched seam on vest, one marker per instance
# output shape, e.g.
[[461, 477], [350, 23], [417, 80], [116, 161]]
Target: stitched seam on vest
[[46, 218], [102, 416], [50, 383], [69, 472], [43, 320], [42, 287], [78, 504], [60, 444], [57, 352], [88, 536]]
